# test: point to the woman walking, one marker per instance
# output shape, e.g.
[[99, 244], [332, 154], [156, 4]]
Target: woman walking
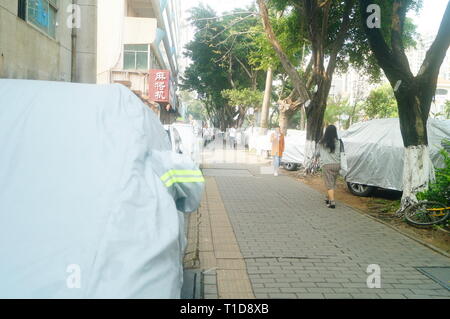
[[277, 140], [330, 161]]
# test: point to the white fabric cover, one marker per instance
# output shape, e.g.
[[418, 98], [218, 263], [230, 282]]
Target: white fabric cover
[[375, 151], [77, 187], [294, 147]]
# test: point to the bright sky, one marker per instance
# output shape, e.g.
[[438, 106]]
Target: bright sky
[[428, 20], [219, 5], [430, 17]]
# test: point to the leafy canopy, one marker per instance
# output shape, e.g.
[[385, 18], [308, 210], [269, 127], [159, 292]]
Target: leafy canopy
[[381, 103]]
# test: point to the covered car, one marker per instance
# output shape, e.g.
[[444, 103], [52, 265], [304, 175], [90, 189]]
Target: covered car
[[294, 150], [375, 151], [174, 138], [190, 140], [262, 144], [91, 195]]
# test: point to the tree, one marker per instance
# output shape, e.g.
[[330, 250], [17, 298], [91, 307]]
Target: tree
[[414, 94], [325, 24], [338, 112], [244, 100], [300, 94], [220, 54], [203, 75], [381, 103], [195, 108], [265, 58]]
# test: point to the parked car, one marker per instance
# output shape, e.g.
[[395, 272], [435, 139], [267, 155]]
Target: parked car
[[174, 138], [190, 139], [375, 150], [294, 155], [90, 201]]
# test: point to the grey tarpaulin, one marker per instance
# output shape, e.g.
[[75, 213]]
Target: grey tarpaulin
[[84, 212], [375, 150]]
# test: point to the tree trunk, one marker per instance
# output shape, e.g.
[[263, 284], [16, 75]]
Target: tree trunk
[[302, 119], [314, 129], [285, 116], [413, 94], [418, 169], [266, 101]]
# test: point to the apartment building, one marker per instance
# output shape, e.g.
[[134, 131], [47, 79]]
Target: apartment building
[[48, 40], [139, 46], [416, 56]]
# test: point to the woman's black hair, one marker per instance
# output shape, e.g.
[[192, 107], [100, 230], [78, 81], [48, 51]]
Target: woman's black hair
[[329, 138]]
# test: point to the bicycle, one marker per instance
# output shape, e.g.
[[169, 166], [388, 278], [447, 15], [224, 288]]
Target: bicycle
[[427, 213], [312, 169]]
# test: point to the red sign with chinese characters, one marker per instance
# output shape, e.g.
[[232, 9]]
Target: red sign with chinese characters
[[159, 85]]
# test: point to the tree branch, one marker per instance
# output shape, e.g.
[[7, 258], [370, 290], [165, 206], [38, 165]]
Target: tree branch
[[244, 67], [380, 49], [398, 21], [297, 81], [340, 38]]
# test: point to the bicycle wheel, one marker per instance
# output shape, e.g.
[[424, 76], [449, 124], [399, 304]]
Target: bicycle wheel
[[426, 213]]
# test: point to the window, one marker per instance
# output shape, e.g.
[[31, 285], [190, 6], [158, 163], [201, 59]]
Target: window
[[135, 57], [441, 92], [22, 10], [42, 14]]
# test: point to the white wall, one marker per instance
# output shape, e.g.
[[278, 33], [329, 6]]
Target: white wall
[[139, 30], [110, 29]]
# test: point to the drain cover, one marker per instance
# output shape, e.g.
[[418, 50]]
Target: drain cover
[[439, 274], [226, 172]]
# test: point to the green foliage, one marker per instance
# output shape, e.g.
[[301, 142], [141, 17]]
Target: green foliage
[[195, 108], [357, 52], [245, 98], [447, 109], [381, 103], [220, 54], [439, 191], [293, 42], [341, 113]]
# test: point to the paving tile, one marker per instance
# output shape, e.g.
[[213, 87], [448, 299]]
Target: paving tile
[[277, 235]]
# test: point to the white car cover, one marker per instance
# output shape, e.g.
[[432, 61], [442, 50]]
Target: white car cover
[[375, 151], [294, 149], [190, 142], [86, 211]]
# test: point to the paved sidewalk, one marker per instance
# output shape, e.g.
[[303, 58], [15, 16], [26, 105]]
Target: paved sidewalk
[[295, 247]]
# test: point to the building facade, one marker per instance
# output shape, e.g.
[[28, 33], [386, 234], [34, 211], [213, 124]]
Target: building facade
[[48, 40], [138, 41], [416, 57]]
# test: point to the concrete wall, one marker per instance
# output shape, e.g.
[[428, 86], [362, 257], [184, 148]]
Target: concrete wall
[[28, 53], [86, 43]]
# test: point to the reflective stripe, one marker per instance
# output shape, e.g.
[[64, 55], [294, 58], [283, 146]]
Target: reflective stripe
[[174, 180], [173, 173]]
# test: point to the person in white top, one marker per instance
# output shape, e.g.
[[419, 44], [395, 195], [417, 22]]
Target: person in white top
[[233, 137]]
